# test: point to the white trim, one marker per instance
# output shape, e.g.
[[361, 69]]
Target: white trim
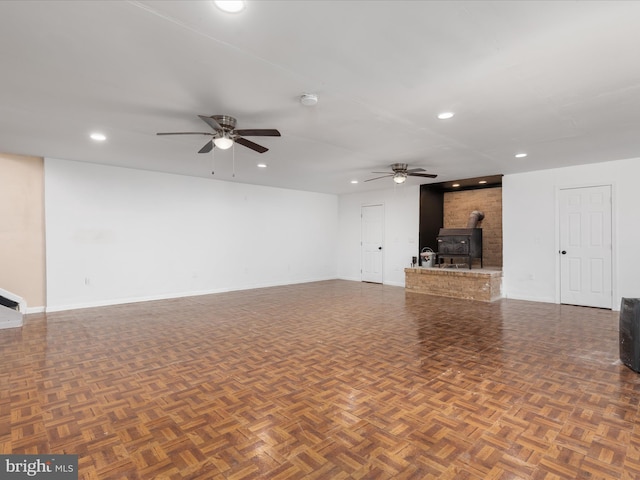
[[122, 301], [350, 279], [556, 248], [529, 298], [384, 235], [31, 310], [614, 247]]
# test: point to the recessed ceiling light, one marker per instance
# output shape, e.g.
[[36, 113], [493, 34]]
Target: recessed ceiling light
[[445, 115], [354, 181], [98, 137], [521, 155], [455, 185], [309, 99], [262, 165], [482, 182], [230, 6]]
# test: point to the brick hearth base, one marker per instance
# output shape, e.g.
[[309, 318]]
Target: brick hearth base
[[481, 284]]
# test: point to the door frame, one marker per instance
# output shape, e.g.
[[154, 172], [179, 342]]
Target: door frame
[[614, 239], [382, 207]]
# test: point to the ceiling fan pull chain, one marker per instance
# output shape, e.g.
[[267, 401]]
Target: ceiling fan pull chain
[[213, 161], [233, 155]]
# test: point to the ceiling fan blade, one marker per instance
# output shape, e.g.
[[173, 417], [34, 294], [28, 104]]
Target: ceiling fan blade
[[211, 122], [207, 147], [377, 178], [426, 175], [251, 145], [184, 133], [259, 132], [413, 170], [390, 173]]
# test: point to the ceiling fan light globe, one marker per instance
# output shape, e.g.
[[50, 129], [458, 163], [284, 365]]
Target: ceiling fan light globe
[[400, 177], [223, 143], [230, 6]]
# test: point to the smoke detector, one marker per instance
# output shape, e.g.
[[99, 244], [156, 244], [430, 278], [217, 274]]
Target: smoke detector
[[309, 99]]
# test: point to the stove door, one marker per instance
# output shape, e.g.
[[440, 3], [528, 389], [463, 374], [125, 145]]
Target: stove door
[[453, 244]]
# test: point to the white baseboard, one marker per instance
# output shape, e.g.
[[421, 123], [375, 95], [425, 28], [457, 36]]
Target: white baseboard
[[351, 279], [528, 298], [121, 301], [35, 310]]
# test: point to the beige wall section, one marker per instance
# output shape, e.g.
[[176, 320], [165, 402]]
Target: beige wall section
[[22, 242], [458, 206]]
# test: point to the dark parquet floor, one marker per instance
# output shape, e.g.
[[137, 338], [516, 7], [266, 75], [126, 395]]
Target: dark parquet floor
[[328, 380]]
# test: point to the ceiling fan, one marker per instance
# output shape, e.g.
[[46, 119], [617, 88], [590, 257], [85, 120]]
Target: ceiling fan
[[401, 171], [225, 134]]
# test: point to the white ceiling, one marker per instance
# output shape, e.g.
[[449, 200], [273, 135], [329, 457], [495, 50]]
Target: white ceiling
[[558, 80]]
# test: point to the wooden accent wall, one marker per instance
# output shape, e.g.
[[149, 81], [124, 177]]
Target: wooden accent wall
[[458, 206], [22, 249]]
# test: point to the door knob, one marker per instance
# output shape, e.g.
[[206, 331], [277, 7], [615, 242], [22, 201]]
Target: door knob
[[379, 248], [564, 252]]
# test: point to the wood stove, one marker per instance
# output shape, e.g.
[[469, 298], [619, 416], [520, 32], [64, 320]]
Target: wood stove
[[463, 243]]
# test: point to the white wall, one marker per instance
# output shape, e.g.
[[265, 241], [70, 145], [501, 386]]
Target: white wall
[[530, 234], [401, 223], [118, 235]]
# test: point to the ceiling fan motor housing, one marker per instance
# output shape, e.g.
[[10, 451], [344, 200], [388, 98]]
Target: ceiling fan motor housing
[[226, 122], [399, 167]]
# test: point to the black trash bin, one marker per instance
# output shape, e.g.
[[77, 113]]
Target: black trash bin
[[630, 333]]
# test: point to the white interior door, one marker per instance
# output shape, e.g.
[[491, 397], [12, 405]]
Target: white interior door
[[372, 236], [585, 246]]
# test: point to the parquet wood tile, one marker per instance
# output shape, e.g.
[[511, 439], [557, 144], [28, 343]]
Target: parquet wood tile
[[328, 380]]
